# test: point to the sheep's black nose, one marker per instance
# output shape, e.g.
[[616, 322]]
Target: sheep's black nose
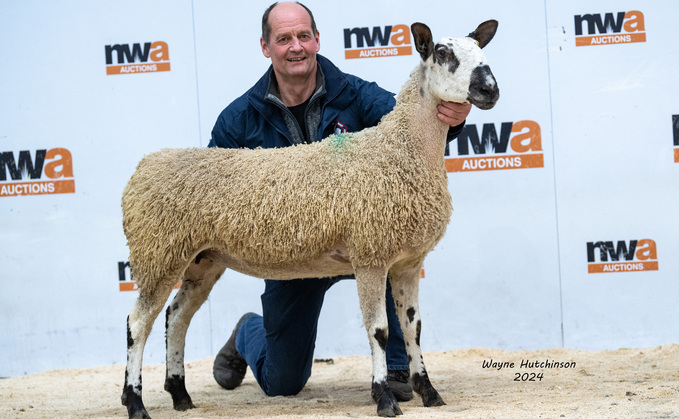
[[483, 90], [486, 90]]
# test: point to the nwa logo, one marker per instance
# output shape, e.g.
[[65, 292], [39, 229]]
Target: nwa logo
[[125, 281], [612, 28], [622, 256], [130, 59], [518, 146], [387, 41], [675, 133], [49, 172]]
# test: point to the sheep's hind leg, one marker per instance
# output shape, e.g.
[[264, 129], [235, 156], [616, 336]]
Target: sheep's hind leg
[[372, 285], [139, 323], [200, 277], [405, 288]]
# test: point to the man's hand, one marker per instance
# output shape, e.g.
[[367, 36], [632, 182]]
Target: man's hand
[[453, 113]]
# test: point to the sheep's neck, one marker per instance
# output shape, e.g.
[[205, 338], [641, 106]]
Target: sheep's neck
[[425, 132], [429, 133]]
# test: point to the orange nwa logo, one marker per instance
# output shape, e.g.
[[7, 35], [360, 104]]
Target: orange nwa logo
[[135, 59], [125, 282], [620, 28], [519, 146], [26, 177], [388, 41], [638, 255], [675, 133]]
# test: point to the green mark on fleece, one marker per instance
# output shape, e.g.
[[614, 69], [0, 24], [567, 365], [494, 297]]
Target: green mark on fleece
[[339, 140]]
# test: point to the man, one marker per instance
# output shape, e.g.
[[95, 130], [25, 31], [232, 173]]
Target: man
[[302, 98]]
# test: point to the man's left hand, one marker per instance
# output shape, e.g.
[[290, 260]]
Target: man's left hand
[[453, 113]]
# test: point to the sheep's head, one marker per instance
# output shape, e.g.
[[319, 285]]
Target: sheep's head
[[456, 69]]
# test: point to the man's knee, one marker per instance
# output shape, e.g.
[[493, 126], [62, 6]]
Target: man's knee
[[285, 385]]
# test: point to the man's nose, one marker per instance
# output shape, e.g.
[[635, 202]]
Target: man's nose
[[296, 44]]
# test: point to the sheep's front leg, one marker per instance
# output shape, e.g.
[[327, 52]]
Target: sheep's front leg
[[372, 285], [200, 277], [139, 324], [405, 283]]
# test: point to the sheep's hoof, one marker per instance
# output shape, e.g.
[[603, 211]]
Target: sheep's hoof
[[137, 413], [134, 404], [177, 389], [423, 387], [387, 406], [183, 405], [431, 397], [140, 414], [433, 401]]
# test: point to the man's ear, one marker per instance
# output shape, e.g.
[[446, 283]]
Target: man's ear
[[484, 33], [265, 48], [423, 41]]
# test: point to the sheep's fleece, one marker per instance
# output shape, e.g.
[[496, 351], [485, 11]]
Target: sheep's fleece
[[272, 208]]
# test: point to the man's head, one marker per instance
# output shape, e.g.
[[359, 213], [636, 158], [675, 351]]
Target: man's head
[[290, 38], [266, 26]]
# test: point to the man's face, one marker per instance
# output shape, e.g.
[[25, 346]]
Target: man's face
[[292, 46]]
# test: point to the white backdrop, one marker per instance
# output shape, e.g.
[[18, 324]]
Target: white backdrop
[[513, 269]]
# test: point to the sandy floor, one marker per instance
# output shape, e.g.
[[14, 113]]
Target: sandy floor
[[627, 383]]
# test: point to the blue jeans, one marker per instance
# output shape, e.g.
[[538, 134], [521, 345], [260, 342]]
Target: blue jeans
[[279, 346]]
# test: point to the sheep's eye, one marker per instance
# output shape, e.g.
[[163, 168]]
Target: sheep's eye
[[441, 53]]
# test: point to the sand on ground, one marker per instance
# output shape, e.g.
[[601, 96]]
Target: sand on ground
[[624, 383]]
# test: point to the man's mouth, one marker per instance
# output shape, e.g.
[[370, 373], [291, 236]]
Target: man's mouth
[[297, 59]]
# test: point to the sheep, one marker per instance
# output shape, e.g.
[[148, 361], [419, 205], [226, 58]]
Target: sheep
[[371, 203]]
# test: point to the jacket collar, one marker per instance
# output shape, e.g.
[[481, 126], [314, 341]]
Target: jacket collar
[[335, 85], [335, 82], [273, 93]]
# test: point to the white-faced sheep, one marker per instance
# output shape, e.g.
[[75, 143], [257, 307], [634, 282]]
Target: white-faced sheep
[[369, 203]]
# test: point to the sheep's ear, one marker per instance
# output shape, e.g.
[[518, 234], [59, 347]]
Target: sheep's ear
[[484, 33], [423, 41]]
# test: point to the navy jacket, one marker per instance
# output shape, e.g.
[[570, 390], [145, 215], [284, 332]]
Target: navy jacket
[[349, 104]]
